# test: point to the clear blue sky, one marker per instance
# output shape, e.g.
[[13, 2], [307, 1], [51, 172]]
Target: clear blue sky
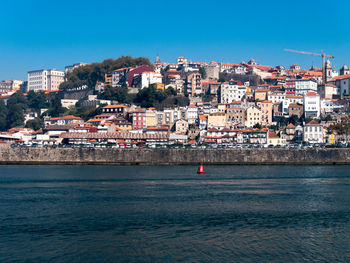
[[53, 34]]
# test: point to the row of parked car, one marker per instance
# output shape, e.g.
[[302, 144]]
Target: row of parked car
[[178, 146]]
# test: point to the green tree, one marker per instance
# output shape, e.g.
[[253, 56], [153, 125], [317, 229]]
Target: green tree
[[19, 99], [3, 116], [203, 72], [282, 122], [257, 126], [172, 101], [15, 116], [342, 129], [90, 74], [55, 109], [171, 91], [119, 94], [293, 119], [327, 118], [35, 124], [150, 97], [37, 101]]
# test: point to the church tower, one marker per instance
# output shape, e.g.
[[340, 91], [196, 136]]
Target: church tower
[[328, 70], [157, 61], [344, 70]]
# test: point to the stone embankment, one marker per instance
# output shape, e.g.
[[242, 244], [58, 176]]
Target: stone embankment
[[172, 156]]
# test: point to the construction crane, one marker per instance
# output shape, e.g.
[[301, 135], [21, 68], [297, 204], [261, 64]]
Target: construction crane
[[323, 55]]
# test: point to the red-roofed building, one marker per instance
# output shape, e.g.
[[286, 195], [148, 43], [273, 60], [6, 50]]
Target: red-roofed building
[[118, 110], [135, 72], [69, 119]]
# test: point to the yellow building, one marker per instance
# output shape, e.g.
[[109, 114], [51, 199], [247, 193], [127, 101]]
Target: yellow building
[[266, 107], [253, 117], [261, 94], [124, 126], [108, 79], [159, 86], [274, 139], [151, 117], [217, 120], [222, 107], [332, 138]]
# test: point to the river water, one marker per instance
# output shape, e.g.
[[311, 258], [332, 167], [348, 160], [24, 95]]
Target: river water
[[171, 214]]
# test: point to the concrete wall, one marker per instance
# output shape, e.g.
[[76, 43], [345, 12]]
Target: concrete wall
[[172, 156]]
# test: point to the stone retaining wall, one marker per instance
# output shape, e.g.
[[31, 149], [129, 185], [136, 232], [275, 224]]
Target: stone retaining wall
[[172, 156]]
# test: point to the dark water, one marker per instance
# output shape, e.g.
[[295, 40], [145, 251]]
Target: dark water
[[170, 214]]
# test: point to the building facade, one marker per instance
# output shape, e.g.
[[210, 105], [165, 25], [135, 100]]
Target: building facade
[[193, 84], [231, 92], [253, 116], [45, 79], [312, 105], [313, 132]]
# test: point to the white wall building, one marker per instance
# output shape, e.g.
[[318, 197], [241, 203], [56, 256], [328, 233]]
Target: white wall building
[[313, 132], [303, 86], [328, 106], [312, 105], [68, 103], [45, 79], [232, 92], [343, 84], [70, 68], [148, 78], [276, 97], [192, 114]]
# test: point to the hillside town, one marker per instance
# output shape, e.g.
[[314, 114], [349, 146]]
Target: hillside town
[[181, 104]]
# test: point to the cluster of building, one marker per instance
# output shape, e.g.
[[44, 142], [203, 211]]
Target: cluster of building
[[234, 112]]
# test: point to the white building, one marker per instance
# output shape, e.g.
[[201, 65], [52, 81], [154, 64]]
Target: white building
[[313, 132], [70, 68], [148, 78], [181, 60], [312, 105], [232, 92], [10, 85], [192, 114], [239, 69], [203, 122], [68, 103], [343, 84], [45, 79], [303, 86], [276, 97], [328, 106], [331, 91]]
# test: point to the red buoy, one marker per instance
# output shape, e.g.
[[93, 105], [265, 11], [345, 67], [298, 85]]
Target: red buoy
[[200, 169]]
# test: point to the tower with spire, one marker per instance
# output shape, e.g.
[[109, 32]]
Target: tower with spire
[[344, 70], [157, 61]]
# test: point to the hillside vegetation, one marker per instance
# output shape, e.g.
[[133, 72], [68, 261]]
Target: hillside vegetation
[[90, 74]]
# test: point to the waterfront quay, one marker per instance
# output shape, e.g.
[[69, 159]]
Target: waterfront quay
[[173, 156]]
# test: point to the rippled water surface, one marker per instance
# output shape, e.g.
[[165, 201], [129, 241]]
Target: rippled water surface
[[170, 214]]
